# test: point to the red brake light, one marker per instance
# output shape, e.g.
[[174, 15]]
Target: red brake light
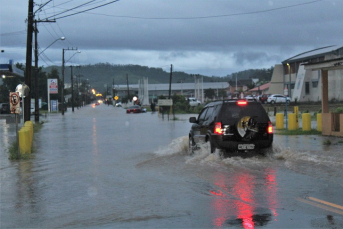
[[242, 102], [270, 128], [218, 128]]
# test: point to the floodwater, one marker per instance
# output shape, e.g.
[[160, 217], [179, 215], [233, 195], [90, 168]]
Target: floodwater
[[102, 168]]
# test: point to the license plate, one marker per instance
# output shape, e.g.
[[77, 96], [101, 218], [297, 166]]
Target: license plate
[[246, 146]]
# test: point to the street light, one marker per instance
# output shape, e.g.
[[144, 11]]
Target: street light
[[61, 38], [289, 84], [63, 50], [36, 74]]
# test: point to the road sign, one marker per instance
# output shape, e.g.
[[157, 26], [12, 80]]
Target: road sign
[[53, 86], [15, 102], [165, 102], [116, 97]]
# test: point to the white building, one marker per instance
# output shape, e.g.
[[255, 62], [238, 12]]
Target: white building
[[304, 85], [154, 90]]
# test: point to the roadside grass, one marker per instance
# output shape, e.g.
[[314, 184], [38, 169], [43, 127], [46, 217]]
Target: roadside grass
[[297, 132], [13, 150], [328, 142]]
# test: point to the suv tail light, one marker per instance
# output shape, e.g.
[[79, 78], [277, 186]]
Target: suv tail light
[[218, 128], [270, 128]]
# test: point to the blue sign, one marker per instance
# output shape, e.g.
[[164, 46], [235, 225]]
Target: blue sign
[[54, 105]]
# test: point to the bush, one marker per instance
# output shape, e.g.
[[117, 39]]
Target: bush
[[338, 110]]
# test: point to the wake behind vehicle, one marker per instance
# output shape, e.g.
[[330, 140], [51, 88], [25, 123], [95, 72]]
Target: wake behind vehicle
[[233, 126]]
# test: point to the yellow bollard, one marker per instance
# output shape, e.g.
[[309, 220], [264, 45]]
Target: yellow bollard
[[279, 121], [292, 125], [24, 141], [29, 133], [319, 122], [30, 124], [306, 121]]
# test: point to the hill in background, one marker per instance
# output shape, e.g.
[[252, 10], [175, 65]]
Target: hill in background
[[105, 73]]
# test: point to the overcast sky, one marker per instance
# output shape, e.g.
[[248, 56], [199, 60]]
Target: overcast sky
[[209, 37]]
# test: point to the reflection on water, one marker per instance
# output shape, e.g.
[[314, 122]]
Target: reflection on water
[[236, 201]]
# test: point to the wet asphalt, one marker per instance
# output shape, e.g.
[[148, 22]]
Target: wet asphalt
[[102, 168]]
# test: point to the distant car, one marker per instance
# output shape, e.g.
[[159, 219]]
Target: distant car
[[135, 109], [251, 97], [263, 98], [278, 98], [4, 108], [118, 104], [193, 102]]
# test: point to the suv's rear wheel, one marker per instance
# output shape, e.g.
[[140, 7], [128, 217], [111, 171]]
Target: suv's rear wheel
[[210, 145], [191, 146]]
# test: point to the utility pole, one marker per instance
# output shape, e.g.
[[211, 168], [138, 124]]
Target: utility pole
[[170, 79], [62, 102], [36, 70], [62, 98], [128, 90], [27, 99], [72, 88], [36, 75]]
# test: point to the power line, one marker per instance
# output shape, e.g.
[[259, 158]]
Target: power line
[[72, 9], [83, 10], [13, 33], [207, 17]]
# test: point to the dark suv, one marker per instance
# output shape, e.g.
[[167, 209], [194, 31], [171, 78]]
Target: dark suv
[[232, 125]]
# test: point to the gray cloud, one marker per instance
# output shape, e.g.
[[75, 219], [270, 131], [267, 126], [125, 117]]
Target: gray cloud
[[194, 35]]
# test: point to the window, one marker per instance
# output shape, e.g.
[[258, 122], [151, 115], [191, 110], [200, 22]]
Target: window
[[307, 88], [202, 115], [314, 84], [208, 117]]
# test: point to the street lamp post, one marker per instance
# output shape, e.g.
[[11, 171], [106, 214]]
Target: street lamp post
[[72, 88], [63, 62], [289, 83], [36, 72]]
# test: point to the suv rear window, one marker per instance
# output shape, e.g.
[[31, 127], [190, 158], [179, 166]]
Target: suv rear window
[[231, 112]]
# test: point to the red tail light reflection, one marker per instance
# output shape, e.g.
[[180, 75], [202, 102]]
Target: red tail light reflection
[[235, 202]]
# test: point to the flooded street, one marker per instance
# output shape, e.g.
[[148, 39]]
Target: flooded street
[[102, 168]]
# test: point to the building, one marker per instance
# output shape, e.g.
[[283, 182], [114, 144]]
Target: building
[[10, 70], [329, 69], [260, 90], [302, 84], [316, 75], [152, 91]]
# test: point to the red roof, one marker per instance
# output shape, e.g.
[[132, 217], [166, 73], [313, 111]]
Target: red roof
[[262, 87]]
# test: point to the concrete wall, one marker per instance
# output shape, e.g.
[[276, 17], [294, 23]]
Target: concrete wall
[[330, 122], [335, 85], [276, 83]]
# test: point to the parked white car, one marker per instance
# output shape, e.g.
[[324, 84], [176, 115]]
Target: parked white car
[[193, 102], [278, 98]]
